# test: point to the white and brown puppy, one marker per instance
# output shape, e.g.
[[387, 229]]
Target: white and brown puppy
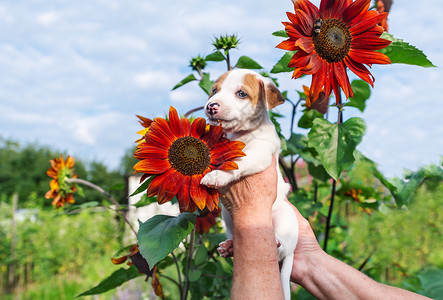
[[239, 102]]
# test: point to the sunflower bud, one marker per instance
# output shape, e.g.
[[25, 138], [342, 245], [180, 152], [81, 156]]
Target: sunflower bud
[[226, 42], [197, 63]]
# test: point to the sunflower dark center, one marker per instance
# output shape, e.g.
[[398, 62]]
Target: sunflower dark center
[[189, 155], [332, 40]]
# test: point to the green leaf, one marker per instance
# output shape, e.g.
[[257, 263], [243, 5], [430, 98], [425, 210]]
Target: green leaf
[[362, 92], [194, 275], [143, 187], [118, 186], [116, 279], [215, 56], [377, 174], [280, 33], [298, 144], [80, 191], [432, 283], [282, 64], [336, 144], [145, 200], [408, 189], [206, 83], [401, 52], [306, 121], [318, 172], [245, 62], [201, 255], [160, 235], [188, 79]]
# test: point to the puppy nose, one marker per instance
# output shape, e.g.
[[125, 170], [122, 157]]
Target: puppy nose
[[212, 108]]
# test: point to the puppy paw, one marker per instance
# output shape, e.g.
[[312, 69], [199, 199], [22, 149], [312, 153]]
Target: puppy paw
[[226, 249], [217, 179]]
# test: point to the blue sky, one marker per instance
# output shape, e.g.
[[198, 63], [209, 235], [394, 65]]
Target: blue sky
[[73, 74]]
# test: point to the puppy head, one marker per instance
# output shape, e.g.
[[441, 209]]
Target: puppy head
[[240, 99]]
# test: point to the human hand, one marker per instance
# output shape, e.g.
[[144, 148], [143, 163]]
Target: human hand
[[254, 193], [307, 249]]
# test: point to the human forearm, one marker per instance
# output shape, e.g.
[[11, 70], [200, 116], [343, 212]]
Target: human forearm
[[255, 261], [330, 278]]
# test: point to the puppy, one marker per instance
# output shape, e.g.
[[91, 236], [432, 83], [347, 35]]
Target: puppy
[[239, 102]]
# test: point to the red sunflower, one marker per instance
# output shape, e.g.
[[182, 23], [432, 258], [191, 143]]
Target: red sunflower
[[206, 220], [179, 154], [340, 34]]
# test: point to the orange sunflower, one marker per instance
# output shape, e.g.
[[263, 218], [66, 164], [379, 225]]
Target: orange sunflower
[[340, 34], [179, 154], [61, 190]]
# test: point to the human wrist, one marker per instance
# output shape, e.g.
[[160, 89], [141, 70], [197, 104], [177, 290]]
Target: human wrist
[[308, 265], [251, 216]]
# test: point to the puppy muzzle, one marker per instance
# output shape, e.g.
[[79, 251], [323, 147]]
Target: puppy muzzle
[[212, 108]]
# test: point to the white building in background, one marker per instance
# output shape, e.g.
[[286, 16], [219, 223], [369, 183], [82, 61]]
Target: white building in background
[[142, 214]]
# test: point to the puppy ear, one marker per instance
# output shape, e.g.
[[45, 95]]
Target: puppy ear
[[273, 95]]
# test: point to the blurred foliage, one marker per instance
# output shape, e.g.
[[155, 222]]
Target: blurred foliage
[[402, 242], [50, 245], [23, 170]]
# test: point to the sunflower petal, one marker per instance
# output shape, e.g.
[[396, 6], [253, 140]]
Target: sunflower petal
[[211, 198], [70, 162], [213, 136], [369, 43], [174, 123], [305, 44], [372, 19], [369, 57], [183, 195], [197, 192], [152, 166], [228, 165], [148, 151], [170, 186], [198, 128], [355, 8], [319, 81], [360, 70], [339, 71], [305, 22], [160, 134], [287, 45], [307, 7]]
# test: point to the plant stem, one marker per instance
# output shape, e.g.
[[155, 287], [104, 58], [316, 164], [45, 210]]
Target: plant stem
[[287, 172], [107, 195], [193, 111], [178, 275], [171, 279], [188, 263], [294, 110], [315, 191], [334, 182], [329, 218], [228, 61]]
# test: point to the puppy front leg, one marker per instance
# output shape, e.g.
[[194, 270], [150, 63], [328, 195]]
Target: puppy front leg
[[256, 160]]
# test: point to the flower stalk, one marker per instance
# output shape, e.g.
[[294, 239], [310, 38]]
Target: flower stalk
[[188, 264], [334, 182], [106, 194]]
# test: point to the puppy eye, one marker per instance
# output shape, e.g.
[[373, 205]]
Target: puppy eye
[[242, 94], [214, 91]]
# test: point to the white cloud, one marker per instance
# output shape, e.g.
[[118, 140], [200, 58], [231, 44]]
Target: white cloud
[[47, 18], [154, 79]]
